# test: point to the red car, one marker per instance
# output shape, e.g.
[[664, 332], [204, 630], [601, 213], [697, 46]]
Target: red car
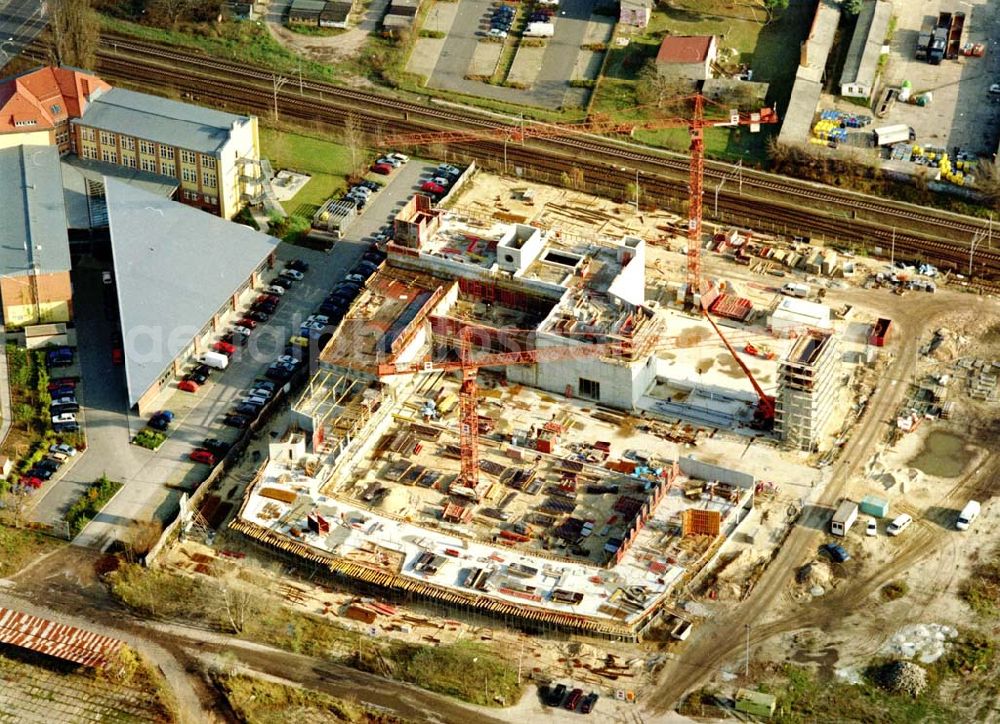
[[200, 455], [61, 382], [224, 347], [268, 299], [573, 700], [246, 323], [187, 386], [382, 168], [30, 481], [432, 188]]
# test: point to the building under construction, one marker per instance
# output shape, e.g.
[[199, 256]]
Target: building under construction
[[435, 463], [808, 387]]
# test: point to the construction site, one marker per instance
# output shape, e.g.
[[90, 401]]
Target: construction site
[[504, 421]]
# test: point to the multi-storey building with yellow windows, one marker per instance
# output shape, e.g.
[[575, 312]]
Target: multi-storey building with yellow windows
[[214, 156]]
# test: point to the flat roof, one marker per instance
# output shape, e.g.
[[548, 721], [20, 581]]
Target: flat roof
[[866, 43], [175, 267], [160, 120], [33, 233], [83, 188]]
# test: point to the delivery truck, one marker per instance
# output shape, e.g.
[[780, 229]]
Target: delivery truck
[[215, 360]]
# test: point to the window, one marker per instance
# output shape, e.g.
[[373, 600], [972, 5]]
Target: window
[[56, 109], [110, 155], [31, 122], [189, 175], [90, 152], [190, 196], [87, 134], [107, 139], [128, 160], [62, 138], [211, 200], [149, 164], [128, 143], [590, 389], [147, 147], [207, 162], [167, 153], [187, 157], [208, 179]]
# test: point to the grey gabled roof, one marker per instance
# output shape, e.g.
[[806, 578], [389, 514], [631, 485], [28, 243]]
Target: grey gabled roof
[[175, 267], [33, 218], [160, 120]]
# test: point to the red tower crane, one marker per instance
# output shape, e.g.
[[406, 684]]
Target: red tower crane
[[696, 125]]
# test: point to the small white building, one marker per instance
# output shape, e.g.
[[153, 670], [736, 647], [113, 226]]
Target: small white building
[[793, 316]]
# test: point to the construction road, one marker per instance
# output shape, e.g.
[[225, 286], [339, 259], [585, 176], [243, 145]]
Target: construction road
[[719, 640]]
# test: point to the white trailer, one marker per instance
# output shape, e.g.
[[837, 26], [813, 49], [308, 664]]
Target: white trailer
[[844, 518], [888, 135], [540, 30]]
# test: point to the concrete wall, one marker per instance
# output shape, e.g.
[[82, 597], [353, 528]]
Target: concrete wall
[[621, 385], [54, 302], [706, 471], [630, 285], [519, 247], [26, 138]]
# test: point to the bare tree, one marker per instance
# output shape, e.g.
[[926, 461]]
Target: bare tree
[[354, 139], [75, 33], [988, 182], [659, 86], [240, 600]]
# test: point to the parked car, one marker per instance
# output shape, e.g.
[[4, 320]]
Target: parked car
[[573, 699], [199, 374], [554, 696], [188, 386], [63, 418], [431, 187], [401, 157], [65, 426], [275, 289], [61, 407], [235, 339], [215, 446], [444, 168], [31, 481], [382, 168], [292, 274], [234, 420], [279, 373], [225, 348], [200, 455], [281, 282], [370, 184], [61, 383], [274, 299], [589, 702], [441, 181], [246, 323], [364, 269], [161, 420], [899, 524], [43, 473], [248, 409], [872, 527], [395, 163], [836, 552], [496, 33], [363, 190], [258, 315], [63, 448], [298, 265], [59, 357], [265, 384]]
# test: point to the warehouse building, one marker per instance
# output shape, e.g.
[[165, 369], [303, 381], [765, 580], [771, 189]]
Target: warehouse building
[[861, 67], [180, 274], [34, 246], [807, 390]]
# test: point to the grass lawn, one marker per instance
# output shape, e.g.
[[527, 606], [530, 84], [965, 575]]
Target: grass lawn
[[327, 162], [19, 547]]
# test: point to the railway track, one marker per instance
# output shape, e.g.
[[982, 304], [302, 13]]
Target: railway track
[[434, 117], [251, 90]]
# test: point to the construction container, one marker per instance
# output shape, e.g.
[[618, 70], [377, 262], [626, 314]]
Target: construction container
[[875, 506], [880, 332], [755, 702], [844, 518]]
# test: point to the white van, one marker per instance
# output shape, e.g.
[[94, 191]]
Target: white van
[[968, 514], [795, 290], [215, 360]]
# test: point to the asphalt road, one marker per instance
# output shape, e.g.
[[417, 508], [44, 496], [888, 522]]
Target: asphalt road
[[719, 639], [20, 23], [154, 480]]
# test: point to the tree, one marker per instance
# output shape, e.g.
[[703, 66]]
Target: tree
[[658, 86], [75, 33], [852, 7], [239, 599], [354, 139]]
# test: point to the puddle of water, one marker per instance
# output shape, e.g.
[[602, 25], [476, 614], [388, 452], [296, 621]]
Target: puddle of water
[[944, 455], [705, 365]]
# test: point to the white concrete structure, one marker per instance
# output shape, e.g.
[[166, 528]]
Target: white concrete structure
[[792, 316], [808, 385]]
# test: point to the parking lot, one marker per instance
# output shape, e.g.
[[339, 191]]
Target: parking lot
[[547, 71], [154, 480], [962, 113]]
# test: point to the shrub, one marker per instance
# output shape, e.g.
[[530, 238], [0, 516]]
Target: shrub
[[149, 438], [436, 34], [90, 503], [582, 83]]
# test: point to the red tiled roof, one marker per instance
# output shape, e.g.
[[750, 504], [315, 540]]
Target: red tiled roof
[[47, 96], [48, 637], [684, 49]]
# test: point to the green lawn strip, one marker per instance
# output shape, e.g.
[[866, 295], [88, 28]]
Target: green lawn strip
[[86, 508], [19, 547]]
